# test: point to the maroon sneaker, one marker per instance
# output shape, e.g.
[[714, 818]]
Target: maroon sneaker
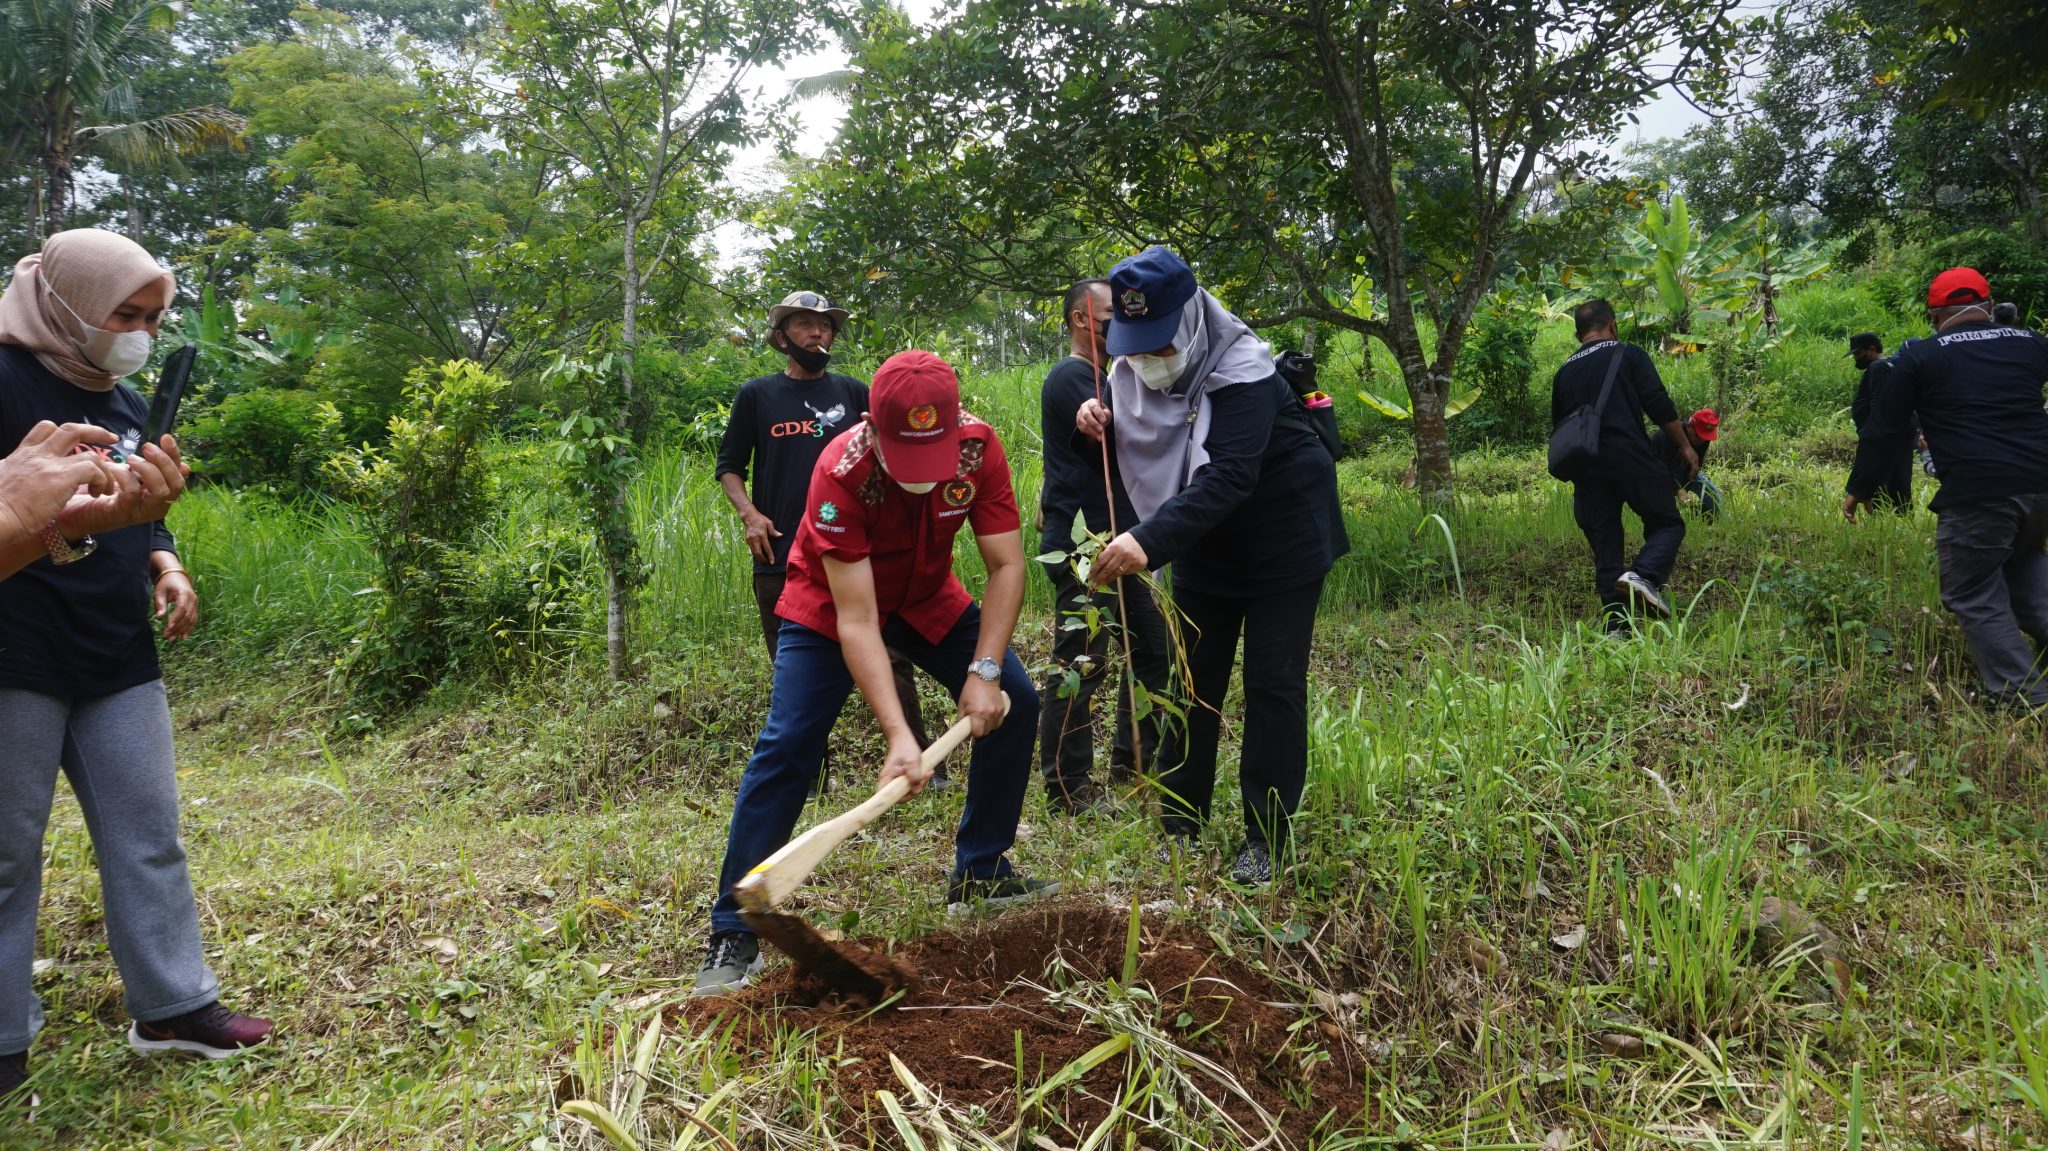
[[14, 1082], [212, 1032]]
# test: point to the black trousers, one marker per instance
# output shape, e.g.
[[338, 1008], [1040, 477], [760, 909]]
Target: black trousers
[[1994, 577], [768, 590], [1273, 758], [1895, 488], [1597, 501], [1066, 729]]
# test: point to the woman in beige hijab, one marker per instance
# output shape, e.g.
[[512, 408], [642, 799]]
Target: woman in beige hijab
[[80, 685]]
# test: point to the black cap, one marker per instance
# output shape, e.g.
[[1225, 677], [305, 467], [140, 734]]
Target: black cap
[[1865, 340]]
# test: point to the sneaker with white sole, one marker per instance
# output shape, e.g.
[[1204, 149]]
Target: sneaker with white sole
[[211, 1032], [1642, 593], [964, 895], [730, 963]]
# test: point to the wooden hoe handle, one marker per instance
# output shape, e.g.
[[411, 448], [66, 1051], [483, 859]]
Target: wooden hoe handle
[[779, 875]]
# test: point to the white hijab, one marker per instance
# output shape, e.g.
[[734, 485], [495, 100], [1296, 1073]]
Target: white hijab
[[1160, 436]]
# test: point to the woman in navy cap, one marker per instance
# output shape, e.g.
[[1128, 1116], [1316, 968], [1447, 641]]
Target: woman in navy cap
[[1233, 488]]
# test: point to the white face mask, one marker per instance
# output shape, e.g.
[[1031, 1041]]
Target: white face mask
[[917, 489], [1158, 372], [115, 353]]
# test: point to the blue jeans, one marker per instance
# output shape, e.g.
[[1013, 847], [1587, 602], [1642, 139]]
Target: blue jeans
[[811, 684]]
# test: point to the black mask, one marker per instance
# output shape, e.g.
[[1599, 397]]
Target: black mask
[[808, 359]]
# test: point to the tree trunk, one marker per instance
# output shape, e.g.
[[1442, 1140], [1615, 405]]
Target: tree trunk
[[617, 616], [1431, 430], [56, 191]]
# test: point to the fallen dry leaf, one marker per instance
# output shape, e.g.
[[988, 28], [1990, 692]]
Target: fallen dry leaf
[[440, 945], [1483, 956], [1571, 940], [1557, 1140]]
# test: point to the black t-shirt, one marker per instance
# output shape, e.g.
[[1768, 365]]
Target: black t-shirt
[[1261, 517], [83, 628], [1977, 391], [1870, 383], [778, 427], [1638, 392], [1073, 462]]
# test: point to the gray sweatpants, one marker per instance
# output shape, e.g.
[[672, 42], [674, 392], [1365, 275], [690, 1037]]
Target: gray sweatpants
[[116, 751], [1994, 577]]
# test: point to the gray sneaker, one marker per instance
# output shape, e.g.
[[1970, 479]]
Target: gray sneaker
[[964, 896], [730, 963], [1179, 847], [1253, 866], [14, 1094], [1642, 593]]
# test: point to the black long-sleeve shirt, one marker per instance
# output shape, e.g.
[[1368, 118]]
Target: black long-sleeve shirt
[[1261, 517], [1073, 462], [82, 628], [1638, 392], [777, 428], [1977, 390]]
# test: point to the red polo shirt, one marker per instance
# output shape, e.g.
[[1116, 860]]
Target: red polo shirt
[[856, 512]]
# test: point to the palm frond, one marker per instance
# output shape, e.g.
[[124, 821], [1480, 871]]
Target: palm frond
[[147, 142]]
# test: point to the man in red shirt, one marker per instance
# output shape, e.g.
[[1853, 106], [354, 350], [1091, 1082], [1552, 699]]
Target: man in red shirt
[[872, 570]]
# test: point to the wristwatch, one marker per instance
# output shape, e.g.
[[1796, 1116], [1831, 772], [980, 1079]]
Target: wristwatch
[[989, 670], [63, 551]]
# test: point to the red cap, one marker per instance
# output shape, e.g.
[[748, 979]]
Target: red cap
[[914, 406], [1706, 425], [1958, 286]]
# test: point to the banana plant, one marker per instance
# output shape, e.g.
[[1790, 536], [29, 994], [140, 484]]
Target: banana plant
[[1391, 408]]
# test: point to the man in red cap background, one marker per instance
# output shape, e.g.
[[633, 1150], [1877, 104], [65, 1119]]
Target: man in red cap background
[[872, 570], [1976, 387], [1702, 428]]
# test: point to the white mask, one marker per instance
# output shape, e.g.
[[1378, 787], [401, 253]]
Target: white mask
[[917, 489], [1158, 372], [115, 353]]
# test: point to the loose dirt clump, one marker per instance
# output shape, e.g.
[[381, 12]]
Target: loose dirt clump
[[1043, 978]]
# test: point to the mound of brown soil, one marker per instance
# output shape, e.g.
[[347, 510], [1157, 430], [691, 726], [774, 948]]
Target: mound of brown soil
[[982, 989]]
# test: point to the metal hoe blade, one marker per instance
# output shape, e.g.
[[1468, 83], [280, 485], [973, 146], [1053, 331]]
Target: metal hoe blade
[[817, 955]]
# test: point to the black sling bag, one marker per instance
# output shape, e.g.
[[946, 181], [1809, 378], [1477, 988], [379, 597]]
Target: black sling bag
[[1575, 443]]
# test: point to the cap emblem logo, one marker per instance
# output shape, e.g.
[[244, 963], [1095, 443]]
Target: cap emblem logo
[[922, 418], [959, 493], [1133, 303]]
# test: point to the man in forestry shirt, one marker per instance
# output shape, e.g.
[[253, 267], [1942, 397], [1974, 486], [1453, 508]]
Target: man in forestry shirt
[[1627, 471], [1077, 490], [778, 425], [872, 565], [1976, 388]]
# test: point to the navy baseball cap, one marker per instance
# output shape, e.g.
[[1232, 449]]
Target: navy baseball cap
[[1146, 294]]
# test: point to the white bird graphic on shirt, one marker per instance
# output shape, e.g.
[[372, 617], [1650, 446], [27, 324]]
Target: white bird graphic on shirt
[[829, 416]]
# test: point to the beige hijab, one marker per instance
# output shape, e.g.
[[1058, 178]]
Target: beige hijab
[[91, 270]]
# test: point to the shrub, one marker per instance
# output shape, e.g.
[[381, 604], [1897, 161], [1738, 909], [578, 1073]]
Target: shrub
[[1499, 358], [265, 436], [424, 495], [2016, 267]]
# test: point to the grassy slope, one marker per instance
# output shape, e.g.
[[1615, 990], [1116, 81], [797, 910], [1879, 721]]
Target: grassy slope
[[441, 912]]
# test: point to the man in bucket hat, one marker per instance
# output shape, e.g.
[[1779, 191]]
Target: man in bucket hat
[[872, 565], [778, 426], [1976, 387]]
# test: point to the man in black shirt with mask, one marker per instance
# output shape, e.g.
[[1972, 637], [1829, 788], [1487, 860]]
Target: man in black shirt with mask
[[1075, 490], [1895, 479], [1628, 470], [1976, 387], [779, 424]]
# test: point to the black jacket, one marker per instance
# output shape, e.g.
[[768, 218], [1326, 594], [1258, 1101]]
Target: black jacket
[[1977, 390], [1261, 516]]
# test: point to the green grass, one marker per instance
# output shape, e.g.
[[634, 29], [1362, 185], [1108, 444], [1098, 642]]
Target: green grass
[[476, 902]]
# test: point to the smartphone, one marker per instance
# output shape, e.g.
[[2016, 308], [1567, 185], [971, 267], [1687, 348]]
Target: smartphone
[[170, 392]]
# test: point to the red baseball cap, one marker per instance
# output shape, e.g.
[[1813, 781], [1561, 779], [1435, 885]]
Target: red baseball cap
[[914, 407], [1958, 286], [1706, 424]]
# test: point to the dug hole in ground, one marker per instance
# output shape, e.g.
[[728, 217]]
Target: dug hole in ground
[[1017, 1009]]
